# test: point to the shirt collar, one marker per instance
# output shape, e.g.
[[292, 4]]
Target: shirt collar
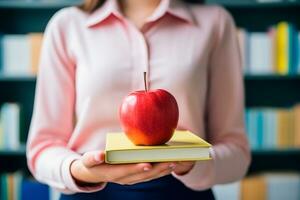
[[175, 8], [179, 9], [110, 7]]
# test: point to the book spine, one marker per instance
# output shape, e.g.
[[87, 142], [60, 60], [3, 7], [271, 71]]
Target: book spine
[[16, 46], [1, 130], [260, 133], [282, 47], [35, 49], [269, 128], [1, 54], [10, 120], [298, 53]]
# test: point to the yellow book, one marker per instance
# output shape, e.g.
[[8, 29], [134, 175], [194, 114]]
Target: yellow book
[[183, 146], [282, 47]]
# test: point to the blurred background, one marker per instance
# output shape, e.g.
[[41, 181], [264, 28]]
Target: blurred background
[[269, 39]]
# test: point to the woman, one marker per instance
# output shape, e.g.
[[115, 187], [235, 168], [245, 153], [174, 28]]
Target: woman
[[95, 55]]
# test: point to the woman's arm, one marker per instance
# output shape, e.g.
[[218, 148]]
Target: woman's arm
[[52, 123], [224, 113]]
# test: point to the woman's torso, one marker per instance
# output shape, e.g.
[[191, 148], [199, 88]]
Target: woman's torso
[[111, 55]]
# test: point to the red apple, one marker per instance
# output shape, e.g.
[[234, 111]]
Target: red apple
[[149, 117]]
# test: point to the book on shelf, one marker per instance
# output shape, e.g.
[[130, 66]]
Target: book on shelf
[[10, 126], [283, 186], [270, 128], [273, 186], [183, 145], [253, 188], [36, 46], [16, 57], [230, 191], [10, 186], [16, 186], [260, 54], [20, 54], [275, 51]]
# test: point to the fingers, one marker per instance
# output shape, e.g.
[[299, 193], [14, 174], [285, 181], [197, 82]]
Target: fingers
[[184, 167], [159, 170], [161, 174], [92, 158], [120, 171]]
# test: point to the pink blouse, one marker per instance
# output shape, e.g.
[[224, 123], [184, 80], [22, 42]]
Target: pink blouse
[[90, 62]]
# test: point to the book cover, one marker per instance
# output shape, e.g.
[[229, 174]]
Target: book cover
[[184, 145]]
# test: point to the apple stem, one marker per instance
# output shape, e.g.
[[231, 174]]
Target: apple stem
[[145, 81]]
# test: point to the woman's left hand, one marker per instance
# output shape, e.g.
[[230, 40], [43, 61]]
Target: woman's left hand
[[183, 167]]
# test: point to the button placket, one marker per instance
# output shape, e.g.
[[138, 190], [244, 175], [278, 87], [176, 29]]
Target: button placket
[[140, 54]]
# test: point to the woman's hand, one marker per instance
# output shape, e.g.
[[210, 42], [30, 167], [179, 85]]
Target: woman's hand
[[183, 167], [91, 169]]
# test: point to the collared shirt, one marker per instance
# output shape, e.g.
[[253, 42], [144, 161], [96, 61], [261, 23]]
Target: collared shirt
[[90, 62]]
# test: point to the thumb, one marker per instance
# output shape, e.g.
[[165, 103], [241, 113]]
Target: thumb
[[92, 158]]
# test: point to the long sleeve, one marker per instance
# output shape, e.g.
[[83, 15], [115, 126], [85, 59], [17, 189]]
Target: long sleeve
[[48, 157], [224, 114]]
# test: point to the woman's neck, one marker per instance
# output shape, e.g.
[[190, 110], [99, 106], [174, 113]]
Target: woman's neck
[[138, 10]]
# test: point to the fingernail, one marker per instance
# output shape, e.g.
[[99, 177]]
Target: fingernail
[[146, 168], [97, 158], [172, 165]]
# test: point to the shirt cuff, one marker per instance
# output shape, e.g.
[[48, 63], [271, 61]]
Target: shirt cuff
[[201, 176], [69, 180]]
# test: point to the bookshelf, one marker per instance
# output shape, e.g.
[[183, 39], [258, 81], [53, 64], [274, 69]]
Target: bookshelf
[[272, 90], [34, 4], [268, 90], [13, 160], [275, 160], [256, 3], [260, 91]]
